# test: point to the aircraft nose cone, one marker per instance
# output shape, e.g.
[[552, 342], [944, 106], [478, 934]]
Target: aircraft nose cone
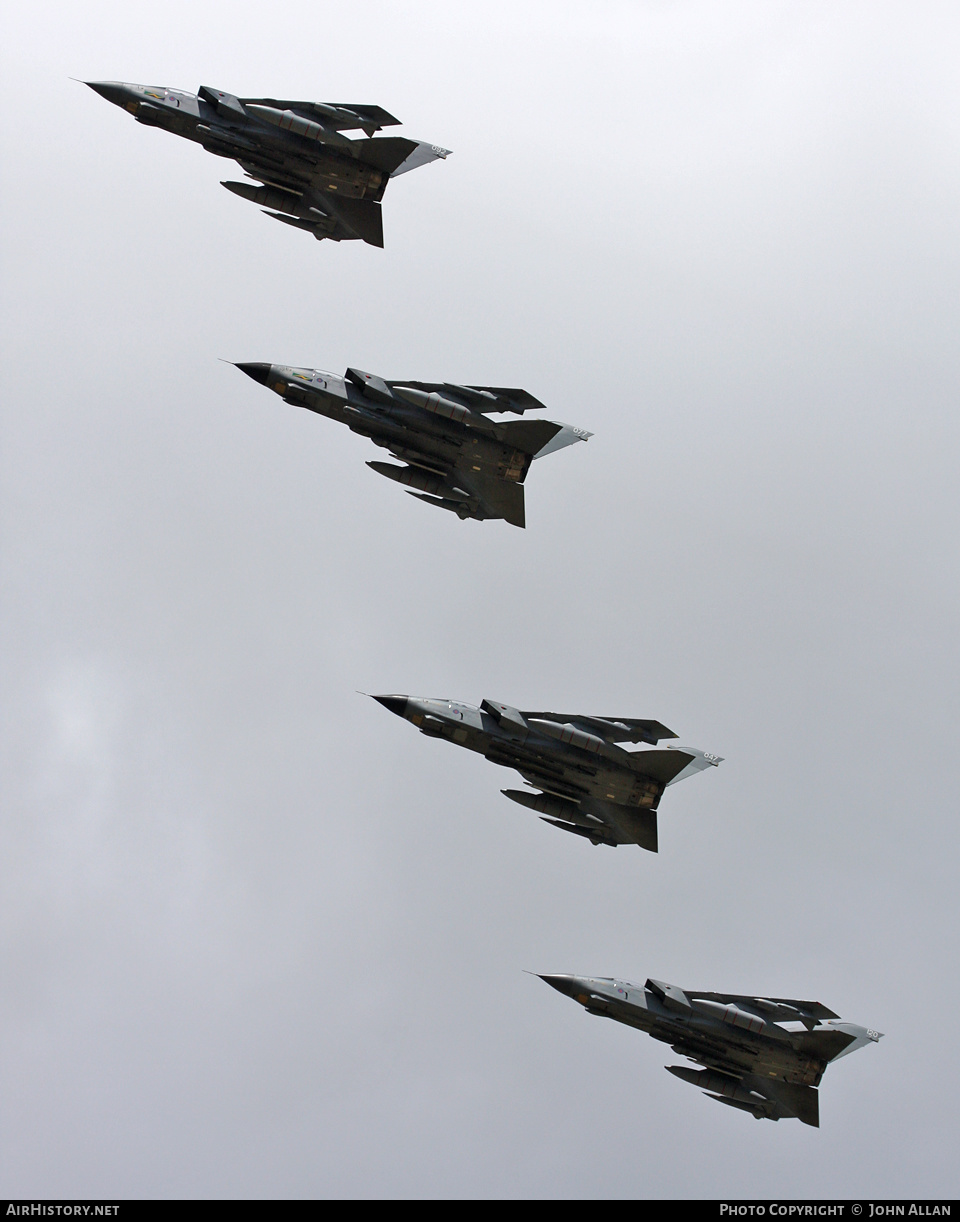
[[257, 370], [396, 704], [563, 984], [113, 91]]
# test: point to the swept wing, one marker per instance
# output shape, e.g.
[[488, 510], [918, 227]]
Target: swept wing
[[480, 398], [613, 729]]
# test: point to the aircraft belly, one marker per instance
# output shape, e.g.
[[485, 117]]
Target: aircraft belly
[[346, 177], [726, 1059], [764, 1061], [610, 786], [536, 769], [432, 447], [405, 443], [492, 459], [624, 788], [476, 453]]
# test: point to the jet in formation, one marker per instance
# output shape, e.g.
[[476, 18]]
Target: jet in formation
[[763, 1055], [304, 170], [587, 783], [455, 456]]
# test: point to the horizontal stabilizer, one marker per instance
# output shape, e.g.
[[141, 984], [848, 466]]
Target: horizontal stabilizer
[[790, 1099], [498, 498], [361, 216], [631, 826]]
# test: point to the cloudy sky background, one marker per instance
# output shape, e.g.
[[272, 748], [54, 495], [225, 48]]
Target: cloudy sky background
[[260, 938]]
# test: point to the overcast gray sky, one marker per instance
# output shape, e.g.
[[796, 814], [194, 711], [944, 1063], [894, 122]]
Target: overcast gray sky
[[259, 937]]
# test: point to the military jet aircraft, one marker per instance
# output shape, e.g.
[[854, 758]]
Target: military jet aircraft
[[305, 171], [588, 784], [457, 457], [763, 1055]]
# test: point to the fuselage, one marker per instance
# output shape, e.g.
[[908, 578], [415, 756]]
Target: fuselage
[[225, 126], [726, 1037], [458, 456], [548, 754], [407, 431]]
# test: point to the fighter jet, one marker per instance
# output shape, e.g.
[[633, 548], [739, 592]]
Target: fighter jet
[[456, 456], [587, 784], [305, 171], [763, 1055]]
